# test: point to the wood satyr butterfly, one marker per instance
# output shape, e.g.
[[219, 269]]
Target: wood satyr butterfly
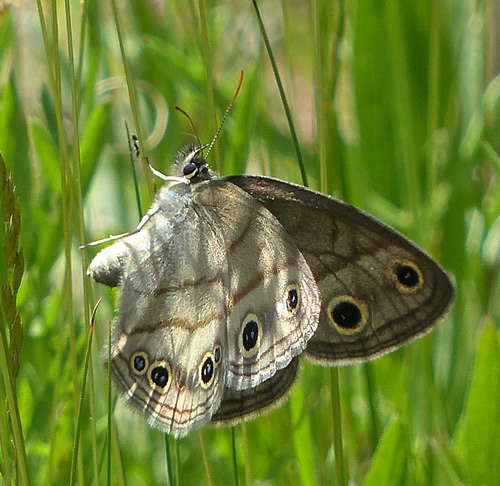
[[226, 281]]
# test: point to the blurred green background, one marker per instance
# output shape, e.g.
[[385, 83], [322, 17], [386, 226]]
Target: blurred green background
[[396, 105]]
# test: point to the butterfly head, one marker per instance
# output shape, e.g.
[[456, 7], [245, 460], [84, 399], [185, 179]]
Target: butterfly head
[[192, 164]]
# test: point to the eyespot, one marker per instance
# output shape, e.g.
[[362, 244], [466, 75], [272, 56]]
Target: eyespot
[[217, 354], [139, 363], [292, 299], [347, 314], [249, 338], [159, 375], [207, 369], [208, 366], [406, 276]]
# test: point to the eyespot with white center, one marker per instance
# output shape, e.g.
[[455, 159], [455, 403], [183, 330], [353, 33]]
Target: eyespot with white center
[[347, 314], [250, 335], [208, 365], [292, 299], [406, 276], [207, 370], [159, 375], [139, 363]]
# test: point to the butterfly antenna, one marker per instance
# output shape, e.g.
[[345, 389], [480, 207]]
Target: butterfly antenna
[[186, 114], [225, 114]]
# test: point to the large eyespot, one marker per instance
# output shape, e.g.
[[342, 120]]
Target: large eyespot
[[249, 339], [159, 375], [207, 370], [347, 314], [139, 362], [406, 276], [292, 299]]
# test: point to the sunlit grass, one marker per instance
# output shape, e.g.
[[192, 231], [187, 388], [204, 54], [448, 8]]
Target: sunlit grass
[[396, 110]]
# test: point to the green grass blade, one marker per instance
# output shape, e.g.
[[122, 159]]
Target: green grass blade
[[281, 90], [478, 435], [389, 465]]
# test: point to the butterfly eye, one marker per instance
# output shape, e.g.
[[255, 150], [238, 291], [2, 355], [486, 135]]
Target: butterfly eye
[[347, 314], [159, 375], [190, 170], [292, 299], [251, 330], [139, 362], [406, 275]]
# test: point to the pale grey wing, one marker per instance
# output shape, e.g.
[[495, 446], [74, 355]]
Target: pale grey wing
[[238, 405], [378, 290], [273, 301], [169, 341]]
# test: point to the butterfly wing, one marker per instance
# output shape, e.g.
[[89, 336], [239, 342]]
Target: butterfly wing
[[169, 339], [378, 290], [238, 405], [214, 295], [273, 301]]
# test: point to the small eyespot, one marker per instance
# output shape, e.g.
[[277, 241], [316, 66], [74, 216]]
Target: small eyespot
[[139, 362], [406, 276], [159, 375], [217, 354], [292, 299], [347, 314], [249, 340]]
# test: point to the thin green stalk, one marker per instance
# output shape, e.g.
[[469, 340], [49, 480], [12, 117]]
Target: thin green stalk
[[434, 99], [52, 52], [246, 452], [6, 466], [168, 459], [337, 426], [54, 82], [119, 466], [132, 93], [281, 90], [235, 458], [15, 418], [302, 436], [207, 61], [208, 475], [134, 172], [369, 374], [177, 463], [76, 200], [319, 97], [76, 441], [411, 189]]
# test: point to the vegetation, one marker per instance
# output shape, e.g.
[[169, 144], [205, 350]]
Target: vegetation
[[396, 106]]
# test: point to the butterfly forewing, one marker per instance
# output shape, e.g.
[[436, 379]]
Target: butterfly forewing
[[378, 290]]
